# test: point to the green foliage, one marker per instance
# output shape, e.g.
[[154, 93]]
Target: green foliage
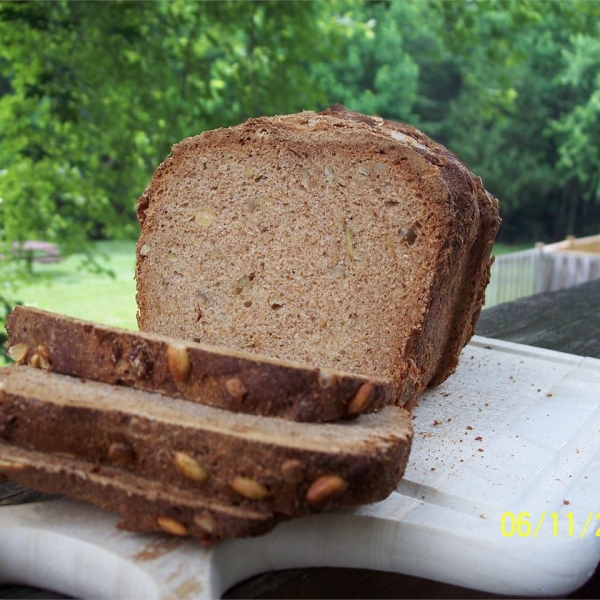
[[578, 128], [93, 95], [376, 74]]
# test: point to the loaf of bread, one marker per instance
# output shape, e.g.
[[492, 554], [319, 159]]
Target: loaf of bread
[[229, 379], [332, 239], [275, 465], [310, 266]]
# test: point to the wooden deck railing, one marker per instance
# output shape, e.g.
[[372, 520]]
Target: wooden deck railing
[[543, 268]]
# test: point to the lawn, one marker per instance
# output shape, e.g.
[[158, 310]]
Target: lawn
[[66, 288], [500, 249]]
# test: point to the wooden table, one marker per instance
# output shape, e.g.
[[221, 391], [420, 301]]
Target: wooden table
[[567, 320]]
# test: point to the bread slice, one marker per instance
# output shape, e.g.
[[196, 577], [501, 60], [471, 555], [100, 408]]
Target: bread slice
[[144, 505], [229, 379], [333, 239], [234, 459]]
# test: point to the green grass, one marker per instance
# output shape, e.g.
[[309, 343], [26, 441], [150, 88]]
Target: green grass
[[500, 249], [65, 287]]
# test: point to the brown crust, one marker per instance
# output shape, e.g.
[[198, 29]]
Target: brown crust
[[140, 502], [463, 265], [265, 386], [199, 448], [447, 308]]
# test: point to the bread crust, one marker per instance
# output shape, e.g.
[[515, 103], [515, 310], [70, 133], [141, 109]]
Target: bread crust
[[220, 377], [448, 287]]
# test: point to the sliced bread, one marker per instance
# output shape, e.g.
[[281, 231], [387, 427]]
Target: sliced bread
[[333, 239], [144, 505], [229, 379], [234, 459]]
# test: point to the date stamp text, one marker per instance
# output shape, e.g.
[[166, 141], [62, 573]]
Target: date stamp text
[[525, 524]]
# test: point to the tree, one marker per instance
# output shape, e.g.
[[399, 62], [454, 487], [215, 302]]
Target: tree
[[375, 73], [577, 130]]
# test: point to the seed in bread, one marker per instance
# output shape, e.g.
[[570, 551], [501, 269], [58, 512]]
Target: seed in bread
[[325, 489], [178, 362], [189, 467], [249, 488], [18, 352], [171, 526]]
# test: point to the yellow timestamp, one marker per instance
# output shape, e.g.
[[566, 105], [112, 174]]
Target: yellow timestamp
[[523, 525]]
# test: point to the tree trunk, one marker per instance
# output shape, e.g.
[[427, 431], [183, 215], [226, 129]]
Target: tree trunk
[[573, 201]]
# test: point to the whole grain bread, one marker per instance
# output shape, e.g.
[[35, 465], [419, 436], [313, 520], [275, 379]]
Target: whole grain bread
[[229, 379], [333, 239], [277, 465], [144, 505]]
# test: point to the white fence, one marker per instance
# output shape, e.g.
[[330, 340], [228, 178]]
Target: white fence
[[543, 268]]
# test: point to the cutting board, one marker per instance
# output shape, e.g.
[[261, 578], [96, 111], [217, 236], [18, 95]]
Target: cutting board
[[502, 495]]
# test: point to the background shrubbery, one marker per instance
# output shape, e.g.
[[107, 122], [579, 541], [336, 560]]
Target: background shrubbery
[[93, 94]]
